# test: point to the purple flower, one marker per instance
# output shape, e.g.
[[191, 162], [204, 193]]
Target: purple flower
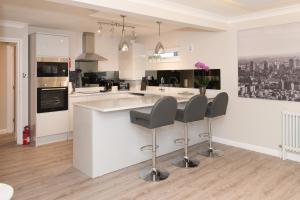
[[201, 65]]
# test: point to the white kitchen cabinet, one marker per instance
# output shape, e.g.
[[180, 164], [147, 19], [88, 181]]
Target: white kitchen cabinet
[[73, 100], [132, 64], [51, 123], [51, 45]]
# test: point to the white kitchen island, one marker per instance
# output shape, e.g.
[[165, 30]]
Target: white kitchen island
[[105, 140]]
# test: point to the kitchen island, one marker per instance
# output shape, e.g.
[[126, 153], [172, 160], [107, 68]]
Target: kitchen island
[[105, 140]]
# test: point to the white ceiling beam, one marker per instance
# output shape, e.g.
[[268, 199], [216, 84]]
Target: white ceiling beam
[[157, 11], [12, 24]]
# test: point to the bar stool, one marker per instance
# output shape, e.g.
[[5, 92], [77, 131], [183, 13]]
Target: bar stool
[[162, 114], [216, 108], [194, 110]]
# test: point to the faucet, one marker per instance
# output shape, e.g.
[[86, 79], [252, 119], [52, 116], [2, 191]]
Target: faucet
[[162, 81]]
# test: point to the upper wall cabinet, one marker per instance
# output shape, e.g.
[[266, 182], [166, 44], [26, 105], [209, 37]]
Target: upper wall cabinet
[[132, 64], [50, 45]]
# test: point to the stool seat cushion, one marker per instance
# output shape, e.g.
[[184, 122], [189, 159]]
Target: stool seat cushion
[[194, 110], [141, 118], [218, 106], [162, 114], [209, 110], [180, 115]]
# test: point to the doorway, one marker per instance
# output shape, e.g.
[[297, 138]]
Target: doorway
[[7, 88]]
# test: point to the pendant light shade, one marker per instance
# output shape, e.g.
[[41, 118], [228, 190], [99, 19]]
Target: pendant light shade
[[159, 48], [123, 46]]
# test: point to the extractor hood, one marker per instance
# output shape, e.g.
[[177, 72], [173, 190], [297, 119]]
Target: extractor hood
[[88, 49]]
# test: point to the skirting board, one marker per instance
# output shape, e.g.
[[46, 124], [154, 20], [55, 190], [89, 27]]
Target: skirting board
[[259, 149], [53, 138]]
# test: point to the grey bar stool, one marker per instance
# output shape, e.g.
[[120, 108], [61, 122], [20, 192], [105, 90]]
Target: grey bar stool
[[216, 108], [194, 111], [162, 114]]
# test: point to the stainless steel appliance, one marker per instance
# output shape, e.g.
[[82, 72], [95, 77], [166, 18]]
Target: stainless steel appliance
[[52, 85], [52, 69], [52, 99], [52, 96], [88, 49], [124, 85]]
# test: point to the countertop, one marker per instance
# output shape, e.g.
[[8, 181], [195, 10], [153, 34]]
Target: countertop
[[127, 103], [158, 93], [82, 94]]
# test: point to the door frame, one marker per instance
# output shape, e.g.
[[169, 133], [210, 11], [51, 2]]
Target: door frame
[[19, 75]]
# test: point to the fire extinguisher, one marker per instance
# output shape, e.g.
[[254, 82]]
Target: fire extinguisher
[[26, 135]]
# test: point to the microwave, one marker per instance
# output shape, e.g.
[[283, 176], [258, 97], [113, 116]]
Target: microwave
[[52, 69]]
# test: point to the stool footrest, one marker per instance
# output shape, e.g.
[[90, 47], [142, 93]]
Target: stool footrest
[[204, 135], [148, 147], [180, 141]]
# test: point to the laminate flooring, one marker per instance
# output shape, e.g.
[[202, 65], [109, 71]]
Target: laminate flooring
[[46, 172]]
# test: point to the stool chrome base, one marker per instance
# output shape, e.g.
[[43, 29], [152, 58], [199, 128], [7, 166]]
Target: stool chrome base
[[154, 175], [185, 163], [210, 152]]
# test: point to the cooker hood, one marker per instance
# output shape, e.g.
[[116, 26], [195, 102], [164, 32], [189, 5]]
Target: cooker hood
[[88, 49]]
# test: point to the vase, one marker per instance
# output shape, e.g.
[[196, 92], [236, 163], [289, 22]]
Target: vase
[[202, 90]]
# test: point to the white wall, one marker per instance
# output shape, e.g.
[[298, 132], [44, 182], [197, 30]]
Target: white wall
[[20, 33], [107, 46]]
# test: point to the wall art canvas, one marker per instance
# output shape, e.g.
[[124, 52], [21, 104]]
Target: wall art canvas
[[269, 62]]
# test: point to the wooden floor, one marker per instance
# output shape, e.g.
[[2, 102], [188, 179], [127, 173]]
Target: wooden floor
[[46, 173]]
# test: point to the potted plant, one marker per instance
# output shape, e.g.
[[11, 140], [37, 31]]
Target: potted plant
[[203, 81]]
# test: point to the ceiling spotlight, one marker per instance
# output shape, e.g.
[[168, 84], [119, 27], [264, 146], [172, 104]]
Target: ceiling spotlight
[[159, 49], [123, 46]]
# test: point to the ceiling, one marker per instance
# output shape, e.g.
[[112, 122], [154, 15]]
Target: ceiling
[[235, 8], [65, 14], [49, 14]]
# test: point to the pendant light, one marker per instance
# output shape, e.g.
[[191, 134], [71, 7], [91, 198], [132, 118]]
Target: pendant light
[[123, 46], [159, 49]]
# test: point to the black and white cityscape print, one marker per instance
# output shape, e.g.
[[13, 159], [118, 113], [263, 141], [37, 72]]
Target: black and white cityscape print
[[270, 77]]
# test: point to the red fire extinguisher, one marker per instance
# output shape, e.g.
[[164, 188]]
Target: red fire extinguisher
[[26, 135]]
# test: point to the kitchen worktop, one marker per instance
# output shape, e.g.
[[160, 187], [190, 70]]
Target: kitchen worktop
[[127, 103], [140, 92], [92, 93]]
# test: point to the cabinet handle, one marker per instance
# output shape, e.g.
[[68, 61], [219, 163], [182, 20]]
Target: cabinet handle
[[49, 89]]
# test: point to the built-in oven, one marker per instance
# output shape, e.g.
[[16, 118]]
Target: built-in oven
[[52, 67], [52, 85], [50, 99]]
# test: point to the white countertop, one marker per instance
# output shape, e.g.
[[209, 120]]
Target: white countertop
[[124, 103], [158, 93], [87, 93]]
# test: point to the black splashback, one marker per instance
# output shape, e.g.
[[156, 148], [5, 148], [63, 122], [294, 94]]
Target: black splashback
[[184, 78]]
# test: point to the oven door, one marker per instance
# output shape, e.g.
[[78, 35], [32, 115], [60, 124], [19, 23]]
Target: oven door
[[52, 99], [52, 69]]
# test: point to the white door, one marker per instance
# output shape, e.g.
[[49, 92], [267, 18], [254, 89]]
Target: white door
[[7, 82]]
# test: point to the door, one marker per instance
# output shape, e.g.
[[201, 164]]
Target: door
[[7, 85]]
